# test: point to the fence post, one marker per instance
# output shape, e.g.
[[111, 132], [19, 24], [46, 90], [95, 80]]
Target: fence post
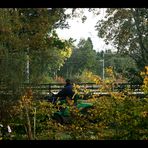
[[34, 133]]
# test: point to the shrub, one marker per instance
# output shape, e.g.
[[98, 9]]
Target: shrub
[[116, 116]]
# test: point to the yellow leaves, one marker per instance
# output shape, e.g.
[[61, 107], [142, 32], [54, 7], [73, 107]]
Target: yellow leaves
[[97, 80], [94, 78], [76, 127], [145, 81], [110, 73], [66, 52], [109, 70], [142, 73], [76, 88], [25, 101], [144, 114], [118, 96], [69, 101], [108, 80], [117, 109], [88, 73], [146, 67], [91, 100], [69, 51]]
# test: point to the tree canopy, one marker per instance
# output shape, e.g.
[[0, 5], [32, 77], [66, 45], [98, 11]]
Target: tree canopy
[[127, 30], [28, 36], [83, 57]]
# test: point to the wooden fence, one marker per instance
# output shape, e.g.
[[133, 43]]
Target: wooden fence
[[45, 89]]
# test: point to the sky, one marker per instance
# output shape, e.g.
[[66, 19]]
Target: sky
[[84, 30]]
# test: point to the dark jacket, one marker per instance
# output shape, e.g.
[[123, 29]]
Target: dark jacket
[[66, 91]]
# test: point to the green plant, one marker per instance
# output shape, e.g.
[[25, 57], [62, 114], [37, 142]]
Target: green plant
[[116, 116]]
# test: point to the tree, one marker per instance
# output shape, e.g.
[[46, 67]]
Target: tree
[[118, 62], [29, 50], [83, 57], [127, 30], [28, 36]]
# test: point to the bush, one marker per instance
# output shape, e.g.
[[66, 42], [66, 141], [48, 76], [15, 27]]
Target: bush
[[116, 116]]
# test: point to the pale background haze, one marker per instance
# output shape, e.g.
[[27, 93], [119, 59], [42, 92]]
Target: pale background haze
[[84, 30]]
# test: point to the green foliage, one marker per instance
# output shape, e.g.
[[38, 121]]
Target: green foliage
[[118, 116], [26, 112], [126, 28], [28, 35], [84, 77], [119, 63], [83, 57]]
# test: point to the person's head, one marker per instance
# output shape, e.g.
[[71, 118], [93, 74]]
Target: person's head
[[68, 81]]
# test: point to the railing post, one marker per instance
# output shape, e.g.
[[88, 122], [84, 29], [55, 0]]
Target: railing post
[[34, 133], [49, 88]]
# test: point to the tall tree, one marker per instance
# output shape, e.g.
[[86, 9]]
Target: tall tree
[[28, 37], [127, 30], [83, 57], [29, 49]]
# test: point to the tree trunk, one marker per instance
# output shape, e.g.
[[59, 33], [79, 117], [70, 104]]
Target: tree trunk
[[29, 131]]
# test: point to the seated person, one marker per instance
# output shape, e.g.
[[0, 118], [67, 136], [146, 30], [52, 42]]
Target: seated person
[[67, 91]]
